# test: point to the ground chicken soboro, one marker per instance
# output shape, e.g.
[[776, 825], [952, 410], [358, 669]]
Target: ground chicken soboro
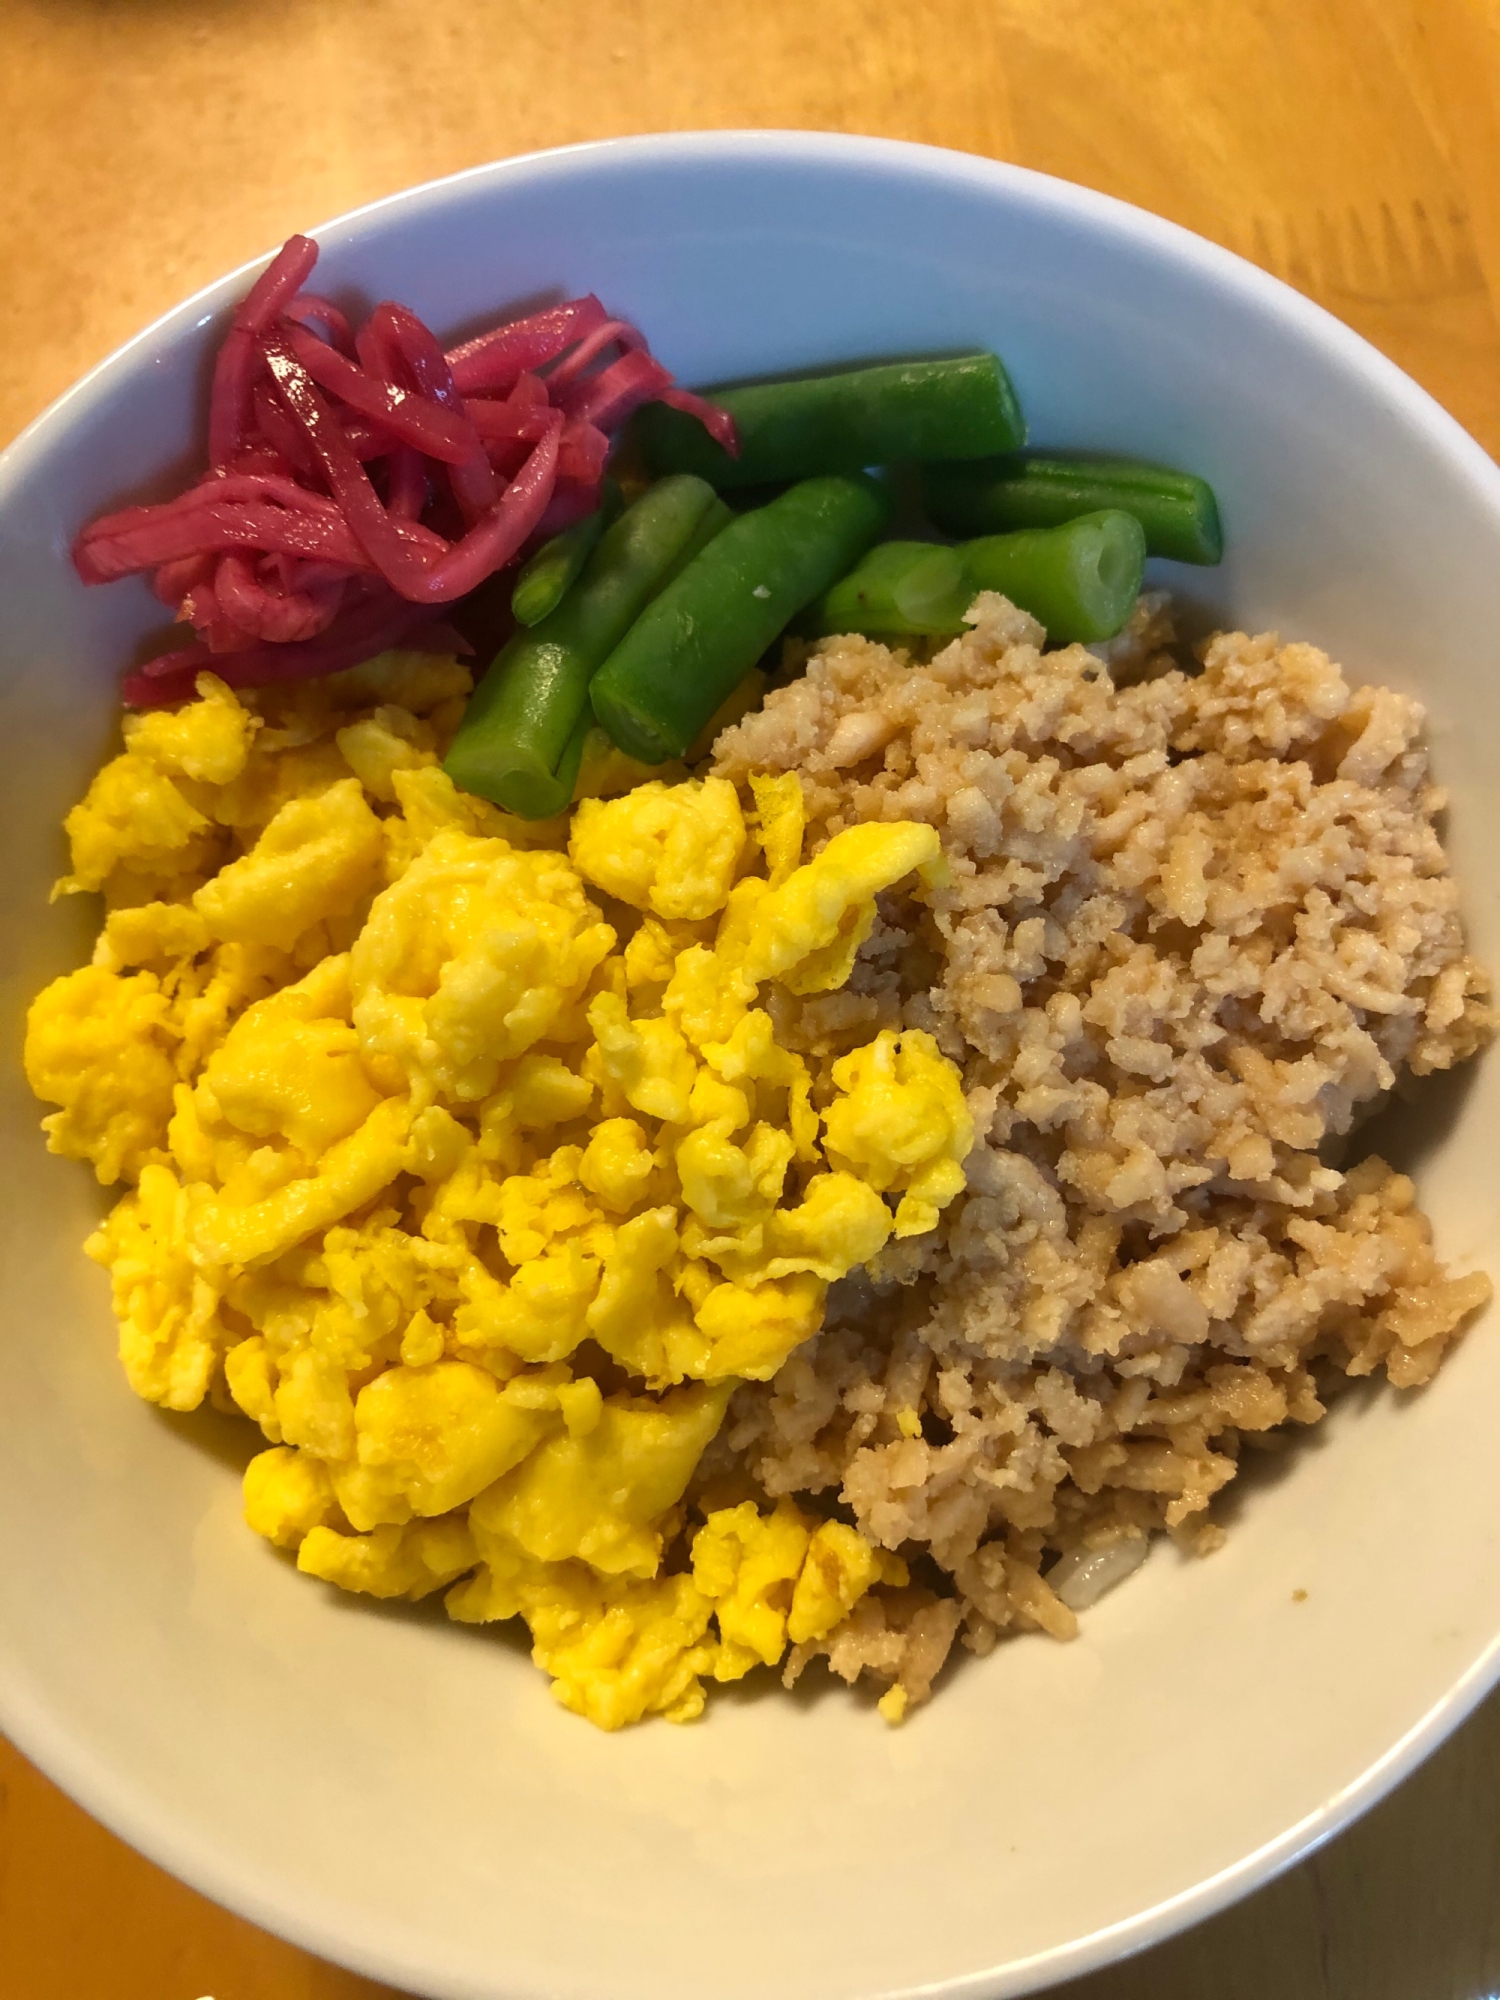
[[1196, 927]]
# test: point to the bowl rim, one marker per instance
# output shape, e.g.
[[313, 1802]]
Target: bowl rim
[[210, 1868]]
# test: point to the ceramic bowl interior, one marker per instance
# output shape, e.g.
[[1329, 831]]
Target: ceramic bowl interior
[[401, 1794]]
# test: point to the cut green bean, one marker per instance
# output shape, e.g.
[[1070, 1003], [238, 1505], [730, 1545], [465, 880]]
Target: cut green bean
[[714, 522], [959, 407], [988, 496], [703, 633], [523, 716], [900, 589], [554, 793], [1080, 581], [551, 573], [569, 765]]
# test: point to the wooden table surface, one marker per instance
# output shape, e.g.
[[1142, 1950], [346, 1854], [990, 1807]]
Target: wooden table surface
[[1351, 146]]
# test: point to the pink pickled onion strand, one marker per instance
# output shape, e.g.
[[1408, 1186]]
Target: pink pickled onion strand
[[569, 503], [173, 580], [371, 629], [279, 617], [262, 458], [613, 333], [353, 642], [367, 519], [717, 422], [508, 459], [229, 396], [274, 554], [280, 433], [582, 453], [224, 525], [492, 542], [406, 485], [529, 392], [218, 633], [221, 637], [405, 344], [501, 423], [486, 546], [308, 308], [277, 285], [606, 399], [236, 362], [399, 336], [493, 361], [367, 440], [200, 604], [211, 489], [296, 573], [411, 418]]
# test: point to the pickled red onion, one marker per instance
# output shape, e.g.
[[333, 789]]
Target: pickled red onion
[[359, 478]]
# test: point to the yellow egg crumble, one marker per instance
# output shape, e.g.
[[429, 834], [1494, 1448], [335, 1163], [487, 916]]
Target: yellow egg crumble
[[462, 1158]]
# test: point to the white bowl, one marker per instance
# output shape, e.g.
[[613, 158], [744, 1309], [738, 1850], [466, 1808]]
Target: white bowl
[[401, 1794]]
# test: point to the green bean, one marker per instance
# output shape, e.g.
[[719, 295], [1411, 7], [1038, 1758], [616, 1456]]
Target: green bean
[[960, 407], [569, 764], [523, 716], [702, 634], [1080, 580], [900, 588], [985, 496], [715, 520], [549, 575]]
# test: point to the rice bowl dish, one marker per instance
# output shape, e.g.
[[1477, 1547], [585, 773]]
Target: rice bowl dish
[[846, 1189], [1170, 1260]]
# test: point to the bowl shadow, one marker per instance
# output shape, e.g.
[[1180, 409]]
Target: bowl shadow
[[229, 1440], [1415, 1119], [1263, 1467]]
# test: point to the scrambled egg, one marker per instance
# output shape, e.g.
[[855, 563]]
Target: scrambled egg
[[478, 1196]]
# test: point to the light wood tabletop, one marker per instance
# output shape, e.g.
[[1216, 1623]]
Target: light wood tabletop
[[1351, 146]]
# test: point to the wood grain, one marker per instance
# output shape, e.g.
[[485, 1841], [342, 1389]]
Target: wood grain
[[82, 1917], [1350, 146]]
